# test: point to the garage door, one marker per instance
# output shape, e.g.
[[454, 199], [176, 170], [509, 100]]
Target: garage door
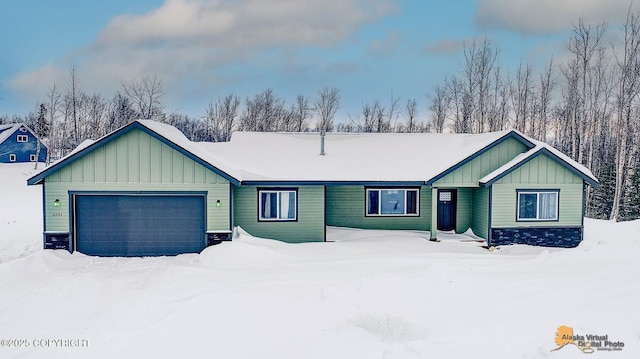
[[139, 225]]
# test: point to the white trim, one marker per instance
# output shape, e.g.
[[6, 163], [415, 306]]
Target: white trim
[[32, 157], [22, 138], [537, 218], [404, 214], [278, 217], [12, 157]]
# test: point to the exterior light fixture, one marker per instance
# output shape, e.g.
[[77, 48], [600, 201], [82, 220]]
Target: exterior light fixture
[[57, 203], [218, 203]]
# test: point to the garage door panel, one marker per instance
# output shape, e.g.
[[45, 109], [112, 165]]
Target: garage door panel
[[139, 225]]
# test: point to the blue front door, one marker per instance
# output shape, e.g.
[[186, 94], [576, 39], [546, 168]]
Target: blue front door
[[446, 209], [139, 225]]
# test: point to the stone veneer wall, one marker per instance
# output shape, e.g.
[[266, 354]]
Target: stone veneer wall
[[545, 237]]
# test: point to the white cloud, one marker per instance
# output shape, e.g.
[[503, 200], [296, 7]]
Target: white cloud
[[547, 16], [35, 84], [186, 40], [245, 23]]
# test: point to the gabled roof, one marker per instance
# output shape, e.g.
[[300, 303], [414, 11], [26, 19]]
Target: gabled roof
[[167, 134], [539, 149], [294, 158], [9, 129], [350, 157]]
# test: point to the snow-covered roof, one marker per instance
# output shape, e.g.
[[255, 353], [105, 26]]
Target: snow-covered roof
[[7, 130], [259, 157], [389, 157]]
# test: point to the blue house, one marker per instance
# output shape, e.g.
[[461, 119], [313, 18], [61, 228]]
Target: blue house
[[18, 143]]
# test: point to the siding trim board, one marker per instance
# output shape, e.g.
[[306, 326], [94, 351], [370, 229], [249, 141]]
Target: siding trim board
[[335, 183], [489, 224]]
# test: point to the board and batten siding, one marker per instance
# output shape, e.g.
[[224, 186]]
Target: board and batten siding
[[346, 208], [470, 173], [480, 218], [135, 161], [540, 172], [464, 209], [309, 226]]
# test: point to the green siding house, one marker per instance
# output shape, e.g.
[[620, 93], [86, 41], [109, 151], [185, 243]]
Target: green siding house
[[145, 189]]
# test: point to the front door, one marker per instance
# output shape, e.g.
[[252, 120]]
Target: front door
[[446, 209]]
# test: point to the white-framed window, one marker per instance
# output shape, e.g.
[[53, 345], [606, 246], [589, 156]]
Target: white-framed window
[[23, 138], [277, 204], [22, 129], [32, 157], [538, 205], [12, 157], [392, 202]]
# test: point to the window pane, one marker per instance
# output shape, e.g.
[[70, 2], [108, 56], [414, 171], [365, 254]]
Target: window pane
[[372, 207], [412, 202], [292, 206], [528, 206], [392, 201], [287, 205], [548, 205], [269, 205]]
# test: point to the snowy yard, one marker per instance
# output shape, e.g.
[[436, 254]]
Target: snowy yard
[[368, 294]]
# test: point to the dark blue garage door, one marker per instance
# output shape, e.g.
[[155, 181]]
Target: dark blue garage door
[[139, 225]]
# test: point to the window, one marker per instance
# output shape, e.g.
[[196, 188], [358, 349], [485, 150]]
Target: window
[[22, 129], [23, 138], [392, 202], [32, 158], [12, 157], [537, 205], [277, 205]]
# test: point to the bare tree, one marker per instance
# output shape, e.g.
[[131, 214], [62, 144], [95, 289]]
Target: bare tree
[[584, 43], [264, 112], [120, 112], [72, 99], [546, 87], [411, 110], [53, 105], [301, 112], [628, 66], [439, 107], [326, 106], [483, 60], [461, 106], [221, 117], [521, 97], [381, 118], [498, 112], [146, 95]]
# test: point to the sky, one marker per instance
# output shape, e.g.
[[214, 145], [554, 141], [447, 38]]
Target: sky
[[205, 49]]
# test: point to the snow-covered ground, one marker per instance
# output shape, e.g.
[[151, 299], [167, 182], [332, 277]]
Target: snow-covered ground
[[368, 294]]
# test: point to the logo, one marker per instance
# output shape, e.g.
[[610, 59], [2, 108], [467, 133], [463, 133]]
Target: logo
[[586, 343]]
